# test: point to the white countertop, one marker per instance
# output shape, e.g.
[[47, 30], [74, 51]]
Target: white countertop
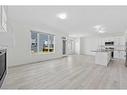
[[104, 50], [101, 51]]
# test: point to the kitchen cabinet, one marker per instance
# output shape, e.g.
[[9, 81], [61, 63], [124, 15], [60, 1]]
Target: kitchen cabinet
[[119, 44], [116, 54], [119, 54], [106, 39], [102, 58], [122, 55], [0, 16], [3, 19]]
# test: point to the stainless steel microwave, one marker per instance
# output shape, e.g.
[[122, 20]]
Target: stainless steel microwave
[[109, 43]]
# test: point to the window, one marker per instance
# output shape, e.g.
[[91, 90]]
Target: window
[[42, 43], [34, 42], [51, 43]]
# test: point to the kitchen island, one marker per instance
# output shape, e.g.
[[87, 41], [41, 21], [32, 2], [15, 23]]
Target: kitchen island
[[102, 57]]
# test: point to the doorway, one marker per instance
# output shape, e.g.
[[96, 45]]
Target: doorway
[[64, 45]]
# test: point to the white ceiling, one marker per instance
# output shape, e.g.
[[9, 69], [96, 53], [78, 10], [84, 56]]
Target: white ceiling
[[80, 19]]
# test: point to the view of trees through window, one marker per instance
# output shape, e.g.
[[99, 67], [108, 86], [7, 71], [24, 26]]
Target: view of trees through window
[[42, 42]]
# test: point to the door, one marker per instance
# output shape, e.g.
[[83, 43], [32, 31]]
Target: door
[[64, 47]]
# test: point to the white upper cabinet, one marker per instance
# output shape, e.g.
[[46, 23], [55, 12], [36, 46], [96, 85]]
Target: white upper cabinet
[[3, 19], [106, 39]]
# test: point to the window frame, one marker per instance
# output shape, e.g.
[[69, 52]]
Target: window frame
[[38, 43]]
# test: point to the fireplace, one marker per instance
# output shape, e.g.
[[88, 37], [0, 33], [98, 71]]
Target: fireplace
[[2, 65]]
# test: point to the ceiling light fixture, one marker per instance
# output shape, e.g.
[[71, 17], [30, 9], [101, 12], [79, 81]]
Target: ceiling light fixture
[[62, 15], [101, 31], [100, 28]]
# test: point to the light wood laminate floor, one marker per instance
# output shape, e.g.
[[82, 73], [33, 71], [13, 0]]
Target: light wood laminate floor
[[73, 72]]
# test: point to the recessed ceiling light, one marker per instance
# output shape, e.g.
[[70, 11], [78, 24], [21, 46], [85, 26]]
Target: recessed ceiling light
[[62, 15]]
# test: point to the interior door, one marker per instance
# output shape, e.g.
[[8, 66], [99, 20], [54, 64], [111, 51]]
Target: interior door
[[64, 47]]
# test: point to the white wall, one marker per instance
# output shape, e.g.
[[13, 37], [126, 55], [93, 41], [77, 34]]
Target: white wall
[[20, 51], [71, 45], [88, 44], [77, 45]]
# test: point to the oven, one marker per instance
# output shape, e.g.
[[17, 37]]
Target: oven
[[2, 65]]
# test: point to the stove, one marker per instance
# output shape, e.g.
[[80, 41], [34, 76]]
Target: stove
[[3, 63]]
